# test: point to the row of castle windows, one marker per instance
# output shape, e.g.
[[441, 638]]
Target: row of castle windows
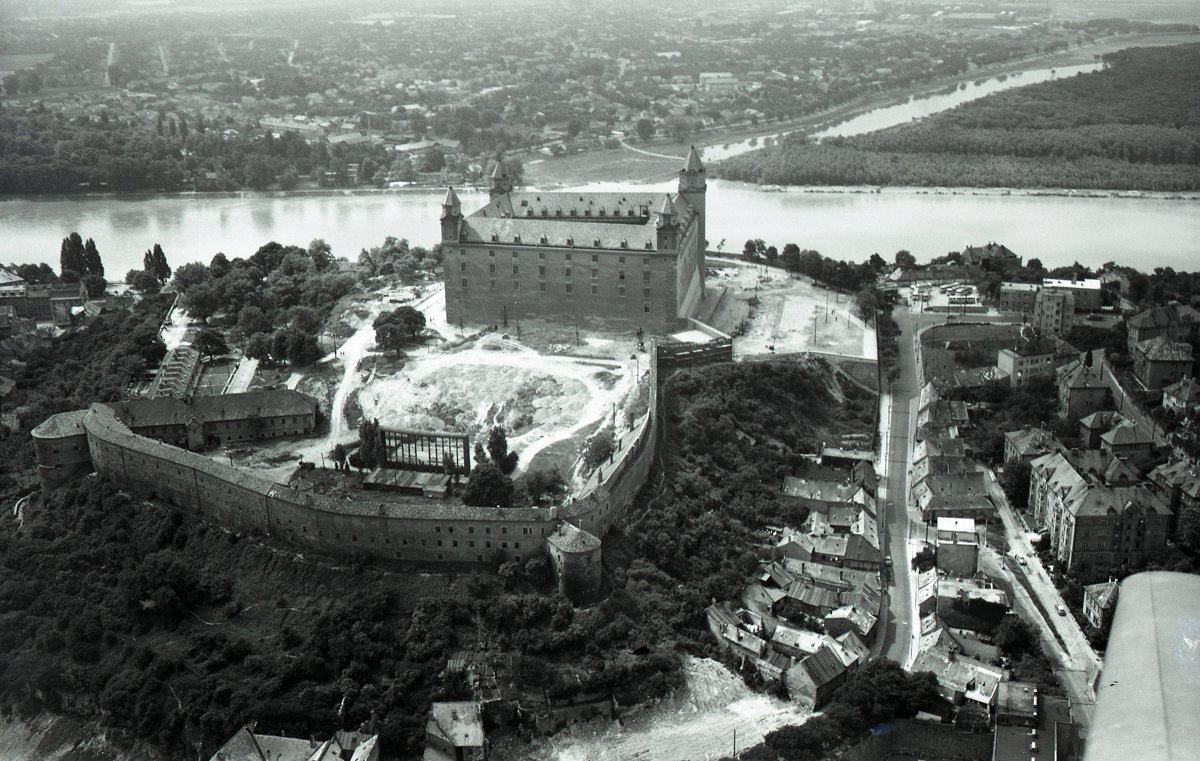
[[567, 257], [462, 267]]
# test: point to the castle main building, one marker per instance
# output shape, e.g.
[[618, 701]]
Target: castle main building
[[627, 260]]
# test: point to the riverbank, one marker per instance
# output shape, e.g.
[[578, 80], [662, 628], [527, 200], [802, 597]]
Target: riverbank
[[616, 164]]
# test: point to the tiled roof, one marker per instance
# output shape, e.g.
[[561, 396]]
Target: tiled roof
[[61, 424], [568, 538], [210, 409], [1187, 391], [823, 666], [1163, 349], [1127, 433], [459, 722], [1102, 420], [1165, 316], [1099, 499], [1104, 594]]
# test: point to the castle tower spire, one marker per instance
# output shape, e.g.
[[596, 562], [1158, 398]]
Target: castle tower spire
[[451, 216], [501, 181]]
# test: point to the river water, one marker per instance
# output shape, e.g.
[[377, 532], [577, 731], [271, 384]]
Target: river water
[[844, 223]]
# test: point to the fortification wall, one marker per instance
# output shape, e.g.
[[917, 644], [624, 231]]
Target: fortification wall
[[425, 533]]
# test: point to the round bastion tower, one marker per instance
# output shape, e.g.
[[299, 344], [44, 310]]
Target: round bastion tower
[[61, 446], [575, 554]]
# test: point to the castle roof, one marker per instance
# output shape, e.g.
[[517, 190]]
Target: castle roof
[[208, 409], [499, 171], [667, 209], [451, 198], [693, 161]]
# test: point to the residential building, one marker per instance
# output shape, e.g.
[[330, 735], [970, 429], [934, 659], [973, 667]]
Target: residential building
[[1099, 603], [1182, 397], [1029, 443], [1081, 386], [993, 256], [959, 495], [957, 552], [1092, 427], [1162, 361], [1175, 321], [961, 680], [1031, 726], [717, 82], [454, 732], [1019, 297], [1032, 359], [1178, 483], [1096, 518], [1086, 292], [814, 679], [628, 259], [1053, 312], [1130, 441]]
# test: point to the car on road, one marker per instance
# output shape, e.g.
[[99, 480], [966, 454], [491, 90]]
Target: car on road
[[1062, 611], [1021, 559]]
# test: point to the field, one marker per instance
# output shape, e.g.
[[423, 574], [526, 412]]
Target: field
[[792, 314]]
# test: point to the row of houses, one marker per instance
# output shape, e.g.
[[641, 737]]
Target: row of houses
[[807, 616], [945, 481]]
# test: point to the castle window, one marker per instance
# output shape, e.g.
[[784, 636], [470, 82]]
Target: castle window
[[545, 241], [646, 260], [492, 284], [595, 258], [566, 271], [629, 213], [587, 212], [596, 243], [515, 268], [544, 212], [516, 285], [570, 242], [462, 267], [514, 254], [620, 290], [621, 275], [595, 273], [567, 256], [464, 282], [542, 271], [516, 239], [595, 289], [542, 286], [558, 212], [649, 245], [492, 268], [646, 292], [569, 288], [572, 212], [621, 259], [529, 213], [646, 307], [495, 236], [646, 276], [491, 252]]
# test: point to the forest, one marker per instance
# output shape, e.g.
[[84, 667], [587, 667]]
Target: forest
[[1133, 125]]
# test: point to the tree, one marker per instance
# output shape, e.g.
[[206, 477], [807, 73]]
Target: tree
[[877, 262], [497, 449], [142, 281], [645, 128], [302, 348], [396, 328], [370, 444], [252, 320], [540, 484], [1015, 482], [260, 172], [259, 346], [321, 253], [488, 487], [905, 260], [210, 343], [155, 262], [573, 127], [189, 276], [94, 285], [91, 259], [71, 255], [201, 300], [339, 455], [219, 265]]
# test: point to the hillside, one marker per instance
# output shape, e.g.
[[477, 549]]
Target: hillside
[[1133, 125]]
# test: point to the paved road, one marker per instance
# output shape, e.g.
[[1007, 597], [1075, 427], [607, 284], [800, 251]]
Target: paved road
[[1077, 661]]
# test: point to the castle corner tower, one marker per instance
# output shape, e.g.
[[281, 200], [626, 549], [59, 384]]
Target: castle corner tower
[[451, 216], [502, 183]]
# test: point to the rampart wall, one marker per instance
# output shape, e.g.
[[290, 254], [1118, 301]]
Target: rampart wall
[[423, 533]]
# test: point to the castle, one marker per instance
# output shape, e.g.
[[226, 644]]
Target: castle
[[146, 446], [623, 259]]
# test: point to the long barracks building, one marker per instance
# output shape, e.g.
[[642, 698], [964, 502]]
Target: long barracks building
[[624, 259]]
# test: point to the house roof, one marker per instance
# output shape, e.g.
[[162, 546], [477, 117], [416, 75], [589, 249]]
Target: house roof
[[823, 666], [1101, 499], [1179, 474], [1031, 441], [1103, 594], [1075, 374], [1164, 317], [823, 491], [799, 639], [1103, 420], [1127, 433], [863, 621], [1187, 391], [568, 538], [1163, 349], [812, 595], [459, 723]]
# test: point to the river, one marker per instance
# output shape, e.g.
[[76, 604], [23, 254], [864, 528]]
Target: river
[[914, 108], [845, 223], [1142, 232]]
